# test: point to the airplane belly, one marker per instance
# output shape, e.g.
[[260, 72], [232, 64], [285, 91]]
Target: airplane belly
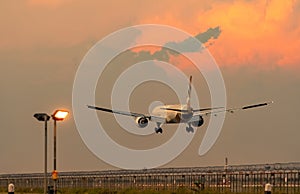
[[173, 118], [177, 118]]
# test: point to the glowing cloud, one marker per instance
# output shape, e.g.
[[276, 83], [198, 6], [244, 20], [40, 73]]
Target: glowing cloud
[[264, 34], [48, 3]]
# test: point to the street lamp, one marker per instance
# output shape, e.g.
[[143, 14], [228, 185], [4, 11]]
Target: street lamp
[[44, 117], [58, 115]]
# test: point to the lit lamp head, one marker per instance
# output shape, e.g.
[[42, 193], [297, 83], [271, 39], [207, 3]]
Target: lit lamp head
[[60, 115], [41, 116]]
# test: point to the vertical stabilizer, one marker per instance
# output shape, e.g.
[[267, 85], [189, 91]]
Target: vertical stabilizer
[[188, 100]]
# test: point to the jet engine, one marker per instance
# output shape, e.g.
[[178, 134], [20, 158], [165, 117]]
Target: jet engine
[[199, 122], [142, 122]]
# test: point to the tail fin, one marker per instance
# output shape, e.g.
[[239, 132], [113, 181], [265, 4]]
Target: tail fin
[[188, 100]]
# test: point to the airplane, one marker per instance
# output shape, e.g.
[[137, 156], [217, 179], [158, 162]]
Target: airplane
[[177, 113]]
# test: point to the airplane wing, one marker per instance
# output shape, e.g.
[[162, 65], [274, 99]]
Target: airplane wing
[[206, 109], [232, 110], [132, 114], [117, 111]]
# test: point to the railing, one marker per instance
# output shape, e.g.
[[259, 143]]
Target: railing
[[244, 178]]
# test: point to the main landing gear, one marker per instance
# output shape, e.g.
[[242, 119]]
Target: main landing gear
[[189, 128], [158, 129]]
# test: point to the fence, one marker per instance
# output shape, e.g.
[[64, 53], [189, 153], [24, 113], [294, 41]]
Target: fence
[[244, 178]]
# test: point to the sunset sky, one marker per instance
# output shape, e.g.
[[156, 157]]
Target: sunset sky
[[42, 43]]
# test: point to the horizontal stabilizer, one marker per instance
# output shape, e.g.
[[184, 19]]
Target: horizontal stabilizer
[[196, 110], [174, 109]]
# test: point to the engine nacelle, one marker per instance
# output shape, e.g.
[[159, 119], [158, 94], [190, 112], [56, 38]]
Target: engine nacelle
[[199, 122], [142, 122]]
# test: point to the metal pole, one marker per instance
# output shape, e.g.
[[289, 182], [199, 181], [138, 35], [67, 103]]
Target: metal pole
[[54, 156], [45, 162]]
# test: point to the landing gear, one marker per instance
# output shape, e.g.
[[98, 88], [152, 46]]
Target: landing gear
[[189, 128], [158, 129]]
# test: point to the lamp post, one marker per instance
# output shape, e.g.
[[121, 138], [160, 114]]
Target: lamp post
[[44, 117], [58, 115]]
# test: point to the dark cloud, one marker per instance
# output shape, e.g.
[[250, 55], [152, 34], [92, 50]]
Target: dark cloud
[[187, 45]]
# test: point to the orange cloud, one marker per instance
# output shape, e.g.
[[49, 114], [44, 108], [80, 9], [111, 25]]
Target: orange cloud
[[260, 37], [48, 3], [262, 33], [258, 33]]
